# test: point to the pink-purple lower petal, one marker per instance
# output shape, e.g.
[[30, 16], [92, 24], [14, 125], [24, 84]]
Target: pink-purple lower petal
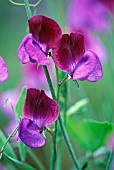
[[30, 134], [30, 50], [96, 73], [3, 70], [85, 66]]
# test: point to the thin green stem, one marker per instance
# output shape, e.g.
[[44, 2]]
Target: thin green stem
[[54, 152], [61, 123], [68, 143], [49, 82], [111, 156], [7, 140], [22, 4], [28, 10]]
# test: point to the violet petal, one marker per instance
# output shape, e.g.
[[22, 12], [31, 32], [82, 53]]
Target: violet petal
[[29, 50], [3, 70], [62, 55], [45, 30], [96, 73], [22, 54], [77, 45], [85, 66], [29, 133]]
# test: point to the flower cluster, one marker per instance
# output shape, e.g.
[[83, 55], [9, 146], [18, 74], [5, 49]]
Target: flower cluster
[[69, 55]]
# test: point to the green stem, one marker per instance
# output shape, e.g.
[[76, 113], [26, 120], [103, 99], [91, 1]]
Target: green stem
[[28, 10], [61, 123], [22, 4], [7, 140], [111, 156], [49, 82]]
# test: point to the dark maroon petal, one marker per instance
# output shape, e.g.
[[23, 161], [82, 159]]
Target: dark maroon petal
[[47, 111], [31, 51], [85, 66], [45, 30], [62, 55], [77, 45], [3, 70], [96, 73], [30, 103], [30, 134]]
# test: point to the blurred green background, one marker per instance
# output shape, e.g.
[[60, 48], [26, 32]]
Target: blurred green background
[[13, 26]]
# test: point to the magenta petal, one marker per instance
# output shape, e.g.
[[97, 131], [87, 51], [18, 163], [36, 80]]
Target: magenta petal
[[29, 133], [31, 102], [47, 111], [3, 70], [45, 30], [31, 51], [62, 55], [85, 66], [22, 54], [96, 73], [77, 45]]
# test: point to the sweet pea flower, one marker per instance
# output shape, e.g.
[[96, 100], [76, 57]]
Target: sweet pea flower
[[44, 35], [70, 56], [39, 111], [3, 70]]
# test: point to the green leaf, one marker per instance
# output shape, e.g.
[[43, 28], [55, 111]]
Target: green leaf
[[90, 134], [20, 103], [77, 107], [22, 150], [19, 106], [25, 166], [8, 149]]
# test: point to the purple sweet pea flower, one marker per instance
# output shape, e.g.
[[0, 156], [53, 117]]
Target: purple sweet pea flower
[[39, 111], [70, 57], [44, 35], [88, 14], [3, 70]]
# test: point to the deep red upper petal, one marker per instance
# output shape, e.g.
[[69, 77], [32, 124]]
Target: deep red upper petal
[[62, 55], [45, 30], [30, 103], [77, 45], [40, 108], [47, 111]]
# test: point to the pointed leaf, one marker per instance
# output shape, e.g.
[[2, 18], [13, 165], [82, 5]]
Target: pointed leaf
[[89, 133], [20, 103], [18, 163], [8, 149]]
